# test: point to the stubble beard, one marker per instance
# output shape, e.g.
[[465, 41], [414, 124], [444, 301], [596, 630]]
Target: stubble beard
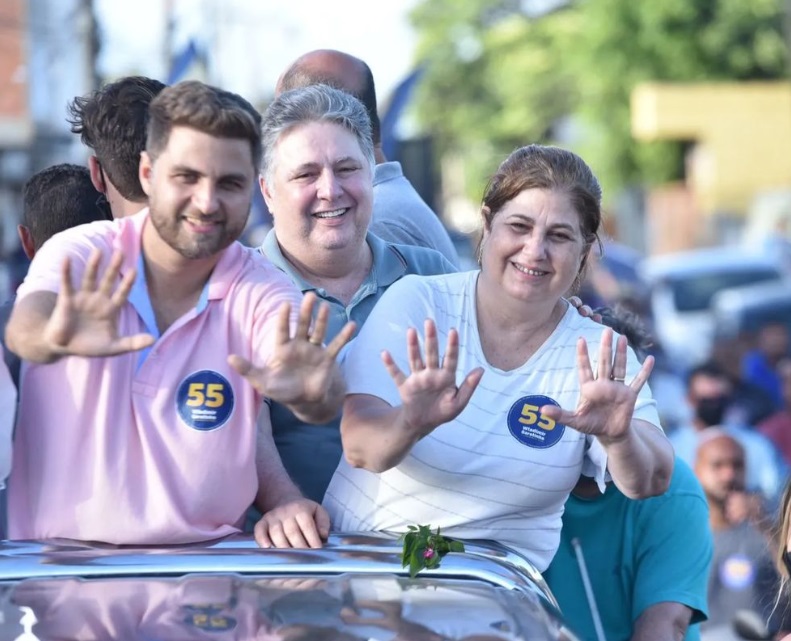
[[174, 233]]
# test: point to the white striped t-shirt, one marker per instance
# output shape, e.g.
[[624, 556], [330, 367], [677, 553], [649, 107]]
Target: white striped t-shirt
[[498, 471]]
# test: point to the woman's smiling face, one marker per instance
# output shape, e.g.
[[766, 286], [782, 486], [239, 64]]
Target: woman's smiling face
[[533, 248]]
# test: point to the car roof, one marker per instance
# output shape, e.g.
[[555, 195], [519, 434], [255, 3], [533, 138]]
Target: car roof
[[498, 585], [700, 261]]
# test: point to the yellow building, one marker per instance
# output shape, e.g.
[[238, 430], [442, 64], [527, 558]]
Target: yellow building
[[741, 134]]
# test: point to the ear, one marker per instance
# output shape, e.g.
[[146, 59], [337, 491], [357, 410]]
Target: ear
[[266, 192], [146, 172], [97, 178], [26, 238], [486, 216]]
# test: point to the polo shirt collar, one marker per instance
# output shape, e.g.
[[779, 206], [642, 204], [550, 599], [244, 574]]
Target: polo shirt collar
[[129, 241], [388, 265]]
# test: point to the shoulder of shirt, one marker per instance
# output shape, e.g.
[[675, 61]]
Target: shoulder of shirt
[[422, 260], [429, 286], [96, 233], [257, 261]]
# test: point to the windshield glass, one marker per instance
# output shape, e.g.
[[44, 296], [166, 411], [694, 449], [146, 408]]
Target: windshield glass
[[693, 293]]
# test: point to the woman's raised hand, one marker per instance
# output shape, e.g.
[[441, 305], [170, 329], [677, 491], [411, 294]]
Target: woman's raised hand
[[429, 394], [606, 401]]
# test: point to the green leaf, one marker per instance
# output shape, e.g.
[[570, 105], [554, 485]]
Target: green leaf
[[456, 546]]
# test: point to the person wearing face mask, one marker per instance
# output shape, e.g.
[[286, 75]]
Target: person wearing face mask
[[710, 397]]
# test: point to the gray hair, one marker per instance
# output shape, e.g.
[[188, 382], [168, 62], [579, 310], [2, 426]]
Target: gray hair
[[315, 103]]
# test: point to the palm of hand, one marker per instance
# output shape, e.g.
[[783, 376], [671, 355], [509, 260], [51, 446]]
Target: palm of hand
[[429, 397], [606, 403], [297, 370], [85, 323], [605, 408]]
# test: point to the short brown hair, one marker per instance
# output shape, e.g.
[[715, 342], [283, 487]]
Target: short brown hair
[[112, 121], [206, 109], [552, 168]]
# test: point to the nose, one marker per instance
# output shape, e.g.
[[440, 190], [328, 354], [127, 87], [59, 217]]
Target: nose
[[328, 186], [205, 197], [535, 246]]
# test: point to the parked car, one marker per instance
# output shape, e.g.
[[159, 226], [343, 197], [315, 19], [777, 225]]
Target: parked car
[[352, 589], [745, 310], [681, 288]]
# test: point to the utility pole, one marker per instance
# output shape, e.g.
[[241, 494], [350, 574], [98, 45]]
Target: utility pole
[[93, 42], [167, 40]]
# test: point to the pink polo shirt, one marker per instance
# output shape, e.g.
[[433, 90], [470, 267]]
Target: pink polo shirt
[[145, 448]]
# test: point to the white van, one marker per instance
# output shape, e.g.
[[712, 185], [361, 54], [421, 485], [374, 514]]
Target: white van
[[681, 289]]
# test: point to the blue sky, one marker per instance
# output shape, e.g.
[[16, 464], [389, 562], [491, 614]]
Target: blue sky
[[254, 40]]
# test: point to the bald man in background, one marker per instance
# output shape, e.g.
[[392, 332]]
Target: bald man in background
[[742, 574]]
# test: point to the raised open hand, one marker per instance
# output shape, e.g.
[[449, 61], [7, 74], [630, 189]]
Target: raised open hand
[[85, 322], [606, 402], [300, 369], [429, 394]]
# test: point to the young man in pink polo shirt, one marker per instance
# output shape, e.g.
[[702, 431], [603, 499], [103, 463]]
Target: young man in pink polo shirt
[[150, 343]]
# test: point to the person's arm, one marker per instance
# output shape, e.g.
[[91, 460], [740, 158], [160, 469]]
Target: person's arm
[[641, 461], [665, 621], [45, 326], [289, 519], [301, 373], [377, 436]]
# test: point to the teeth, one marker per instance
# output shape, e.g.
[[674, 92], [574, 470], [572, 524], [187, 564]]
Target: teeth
[[529, 272], [330, 214]]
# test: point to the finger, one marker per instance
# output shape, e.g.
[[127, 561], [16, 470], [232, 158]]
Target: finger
[[305, 316], [309, 530], [342, 338], [283, 331], [111, 274], [619, 365], [241, 365], [467, 387], [585, 311], [604, 366], [91, 269], [66, 289], [293, 533], [276, 534], [432, 346], [558, 414], [583, 361], [413, 350], [395, 372], [122, 293], [319, 330], [322, 522], [133, 343], [575, 301], [261, 534], [642, 376], [450, 361]]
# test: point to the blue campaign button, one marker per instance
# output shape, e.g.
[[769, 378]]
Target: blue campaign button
[[531, 428], [205, 400]]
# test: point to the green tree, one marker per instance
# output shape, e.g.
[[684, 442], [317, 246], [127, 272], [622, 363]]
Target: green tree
[[498, 76]]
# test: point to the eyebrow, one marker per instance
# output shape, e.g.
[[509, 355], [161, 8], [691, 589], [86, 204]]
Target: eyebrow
[[192, 170], [530, 219], [316, 165]]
